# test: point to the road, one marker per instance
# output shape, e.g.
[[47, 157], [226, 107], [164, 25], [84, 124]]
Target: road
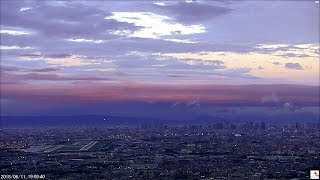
[[88, 146]]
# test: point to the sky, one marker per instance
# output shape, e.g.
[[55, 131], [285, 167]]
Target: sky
[[101, 57]]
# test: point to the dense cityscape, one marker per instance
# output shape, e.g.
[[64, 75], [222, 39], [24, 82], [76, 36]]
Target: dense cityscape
[[213, 151]]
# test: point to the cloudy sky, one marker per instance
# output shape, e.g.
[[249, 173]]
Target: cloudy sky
[[93, 53]]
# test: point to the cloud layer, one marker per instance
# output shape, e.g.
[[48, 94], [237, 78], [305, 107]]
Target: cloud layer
[[98, 51]]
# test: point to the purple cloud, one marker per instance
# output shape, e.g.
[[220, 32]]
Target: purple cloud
[[229, 28], [276, 63], [46, 70], [295, 66], [70, 21], [36, 76], [195, 12], [8, 68]]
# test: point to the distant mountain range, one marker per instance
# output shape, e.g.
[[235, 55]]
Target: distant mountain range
[[102, 120]]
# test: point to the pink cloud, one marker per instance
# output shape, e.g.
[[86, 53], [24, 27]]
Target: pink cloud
[[94, 92]]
